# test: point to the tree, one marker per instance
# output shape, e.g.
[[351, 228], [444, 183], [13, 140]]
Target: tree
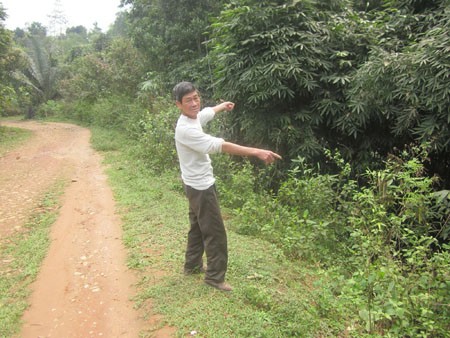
[[286, 64], [404, 86], [127, 67], [9, 60], [58, 20], [72, 45], [40, 73], [117, 70], [78, 30], [121, 26], [37, 29], [171, 34], [313, 74]]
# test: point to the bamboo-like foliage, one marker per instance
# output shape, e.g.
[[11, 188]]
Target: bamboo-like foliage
[[404, 87], [286, 66], [310, 74]]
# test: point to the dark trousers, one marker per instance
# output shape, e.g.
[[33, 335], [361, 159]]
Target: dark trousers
[[207, 234]]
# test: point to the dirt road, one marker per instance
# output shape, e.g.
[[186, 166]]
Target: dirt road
[[84, 287]]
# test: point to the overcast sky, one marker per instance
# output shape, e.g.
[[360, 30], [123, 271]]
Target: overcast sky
[[77, 12]]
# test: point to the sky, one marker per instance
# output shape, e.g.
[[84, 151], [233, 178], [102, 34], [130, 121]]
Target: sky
[[77, 12]]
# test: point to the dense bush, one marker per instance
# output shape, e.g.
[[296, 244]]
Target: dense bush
[[382, 239], [49, 109], [154, 133], [402, 90], [308, 75]]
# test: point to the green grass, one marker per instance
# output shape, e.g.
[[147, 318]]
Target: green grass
[[12, 137], [272, 296], [21, 256]]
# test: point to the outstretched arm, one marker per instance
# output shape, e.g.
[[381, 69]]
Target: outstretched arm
[[266, 156], [227, 106]]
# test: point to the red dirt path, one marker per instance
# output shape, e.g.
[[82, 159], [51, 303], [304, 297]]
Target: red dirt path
[[84, 287]]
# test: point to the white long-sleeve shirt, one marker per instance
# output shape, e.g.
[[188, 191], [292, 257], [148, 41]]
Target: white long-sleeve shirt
[[193, 146]]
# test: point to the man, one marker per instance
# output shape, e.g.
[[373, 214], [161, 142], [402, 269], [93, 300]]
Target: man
[[207, 232]]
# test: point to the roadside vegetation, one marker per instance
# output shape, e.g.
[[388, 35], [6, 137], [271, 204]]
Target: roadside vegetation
[[274, 296], [349, 234], [10, 137], [321, 257]]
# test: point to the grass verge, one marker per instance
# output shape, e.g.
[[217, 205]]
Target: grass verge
[[11, 137], [21, 256], [272, 296]]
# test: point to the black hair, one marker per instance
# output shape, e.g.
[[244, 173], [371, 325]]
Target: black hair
[[182, 89]]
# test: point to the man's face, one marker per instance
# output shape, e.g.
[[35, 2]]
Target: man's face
[[190, 105]]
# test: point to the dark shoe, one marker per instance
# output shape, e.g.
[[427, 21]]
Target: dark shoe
[[220, 286], [194, 271]]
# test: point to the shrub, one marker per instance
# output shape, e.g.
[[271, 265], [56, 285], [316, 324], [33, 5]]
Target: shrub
[[78, 111], [236, 181], [396, 264], [384, 241], [300, 217], [49, 109], [155, 136], [116, 112]]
